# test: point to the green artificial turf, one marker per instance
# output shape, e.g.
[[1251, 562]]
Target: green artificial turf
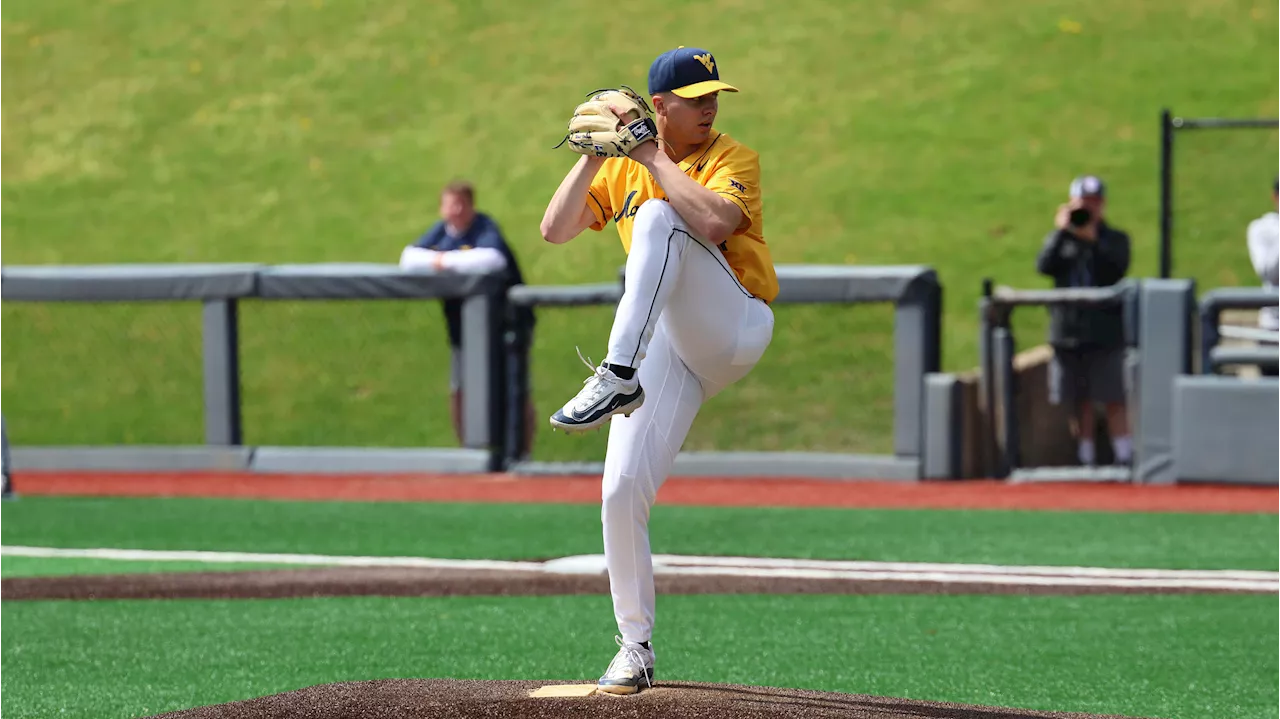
[[916, 132], [59, 566], [541, 531], [1169, 656]]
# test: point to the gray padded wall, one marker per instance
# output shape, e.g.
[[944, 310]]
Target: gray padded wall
[[1225, 429], [565, 295], [917, 351], [134, 458], [477, 318], [746, 465], [942, 433], [105, 283], [1166, 310], [843, 283], [317, 460], [324, 460], [803, 465], [354, 280]]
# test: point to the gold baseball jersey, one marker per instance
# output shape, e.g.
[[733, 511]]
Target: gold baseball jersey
[[722, 165]]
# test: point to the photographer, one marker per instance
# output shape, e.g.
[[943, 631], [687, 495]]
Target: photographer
[[1088, 342]]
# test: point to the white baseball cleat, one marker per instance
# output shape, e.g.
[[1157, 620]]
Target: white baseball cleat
[[604, 395], [631, 667]]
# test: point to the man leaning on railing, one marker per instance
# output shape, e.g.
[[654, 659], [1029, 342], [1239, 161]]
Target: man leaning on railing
[[1088, 341], [1264, 251], [464, 240]]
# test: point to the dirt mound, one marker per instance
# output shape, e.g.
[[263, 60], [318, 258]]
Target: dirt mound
[[405, 582], [449, 698]]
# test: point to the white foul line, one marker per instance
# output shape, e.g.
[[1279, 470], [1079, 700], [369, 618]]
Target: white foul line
[[151, 555], [773, 568], [974, 578], [756, 562]]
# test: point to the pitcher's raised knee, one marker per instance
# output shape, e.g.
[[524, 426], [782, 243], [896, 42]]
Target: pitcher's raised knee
[[657, 207], [654, 220]]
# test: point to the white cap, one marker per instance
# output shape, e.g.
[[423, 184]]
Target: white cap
[[1086, 185]]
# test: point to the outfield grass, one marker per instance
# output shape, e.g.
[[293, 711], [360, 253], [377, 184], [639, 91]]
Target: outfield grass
[[1178, 657], [145, 131], [542, 531]]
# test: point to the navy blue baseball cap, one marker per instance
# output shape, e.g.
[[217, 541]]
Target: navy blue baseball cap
[[688, 72]]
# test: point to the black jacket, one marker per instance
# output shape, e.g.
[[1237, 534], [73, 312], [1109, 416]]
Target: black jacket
[[1072, 262]]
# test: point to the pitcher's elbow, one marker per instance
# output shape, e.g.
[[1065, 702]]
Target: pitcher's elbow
[[550, 234], [718, 232]]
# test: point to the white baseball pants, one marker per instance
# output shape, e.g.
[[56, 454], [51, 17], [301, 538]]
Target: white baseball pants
[[691, 329]]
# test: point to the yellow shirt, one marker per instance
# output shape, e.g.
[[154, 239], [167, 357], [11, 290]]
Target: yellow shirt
[[722, 165]]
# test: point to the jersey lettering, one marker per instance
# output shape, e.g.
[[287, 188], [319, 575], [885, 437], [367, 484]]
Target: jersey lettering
[[722, 165], [627, 210]]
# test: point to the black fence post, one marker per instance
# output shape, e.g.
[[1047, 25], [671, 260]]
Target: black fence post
[[518, 395], [1166, 194], [1004, 349], [498, 385], [934, 363], [986, 312], [1208, 335]]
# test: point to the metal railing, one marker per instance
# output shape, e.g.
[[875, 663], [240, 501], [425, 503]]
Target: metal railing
[[221, 287], [1170, 125], [997, 352], [917, 298], [1213, 356], [492, 415]]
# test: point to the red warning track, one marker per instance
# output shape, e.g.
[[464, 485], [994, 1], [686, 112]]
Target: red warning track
[[686, 491]]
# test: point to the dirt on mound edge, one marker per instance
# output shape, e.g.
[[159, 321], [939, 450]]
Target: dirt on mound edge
[[458, 699]]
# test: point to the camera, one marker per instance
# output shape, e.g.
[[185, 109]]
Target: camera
[[1080, 217]]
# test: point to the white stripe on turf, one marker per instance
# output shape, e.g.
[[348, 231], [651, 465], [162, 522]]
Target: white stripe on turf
[[762, 567], [684, 561], [151, 555]]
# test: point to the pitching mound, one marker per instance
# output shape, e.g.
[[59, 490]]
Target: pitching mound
[[441, 698]]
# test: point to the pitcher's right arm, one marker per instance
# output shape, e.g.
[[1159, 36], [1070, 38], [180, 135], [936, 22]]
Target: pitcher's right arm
[[567, 214]]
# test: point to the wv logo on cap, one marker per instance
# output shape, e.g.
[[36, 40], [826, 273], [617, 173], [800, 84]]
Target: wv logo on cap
[[707, 61]]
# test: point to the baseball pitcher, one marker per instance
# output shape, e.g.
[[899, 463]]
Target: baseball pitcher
[[694, 316]]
